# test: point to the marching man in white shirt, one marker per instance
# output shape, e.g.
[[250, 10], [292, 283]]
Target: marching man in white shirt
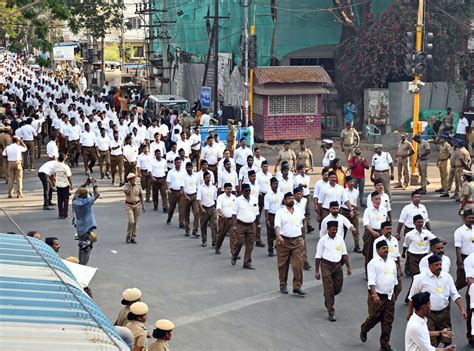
[[441, 287], [207, 196], [143, 170], [352, 194], [437, 248], [103, 147], [290, 244], [175, 180], [190, 201], [331, 254], [417, 335], [88, 148], [158, 175], [225, 203], [272, 202], [244, 212], [463, 242], [382, 279]]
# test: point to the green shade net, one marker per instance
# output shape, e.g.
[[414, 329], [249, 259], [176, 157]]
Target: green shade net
[[300, 24], [425, 115]]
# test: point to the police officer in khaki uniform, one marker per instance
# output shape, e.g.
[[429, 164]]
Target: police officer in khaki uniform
[[304, 157], [466, 201], [452, 171], [422, 160], [349, 140], [443, 163], [287, 155], [404, 151], [462, 162], [5, 140], [138, 316], [231, 137], [129, 297], [133, 206], [163, 333]]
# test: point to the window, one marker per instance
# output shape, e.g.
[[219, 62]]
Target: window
[[138, 51], [292, 105], [135, 22]]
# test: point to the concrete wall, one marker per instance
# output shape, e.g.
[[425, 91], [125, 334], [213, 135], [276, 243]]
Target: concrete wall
[[434, 96]]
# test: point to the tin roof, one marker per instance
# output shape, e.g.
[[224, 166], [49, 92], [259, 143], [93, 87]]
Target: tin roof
[[42, 306], [291, 74]]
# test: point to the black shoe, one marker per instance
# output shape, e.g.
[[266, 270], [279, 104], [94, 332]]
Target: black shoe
[[249, 266], [47, 208], [127, 240], [91, 170], [101, 176], [310, 229], [299, 291], [204, 244], [363, 336], [259, 244], [121, 184], [271, 254], [213, 244], [218, 252], [182, 226], [284, 290], [238, 257], [155, 208], [168, 222], [107, 175], [440, 190], [332, 318], [445, 194], [306, 266], [133, 241], [422, 191], [357, 249], [165, 210], [51, 204], [407, 273], [233, 260], [387, 348], [186, 233], [195, 235]]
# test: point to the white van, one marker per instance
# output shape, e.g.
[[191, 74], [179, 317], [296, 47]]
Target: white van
[[173, 102]]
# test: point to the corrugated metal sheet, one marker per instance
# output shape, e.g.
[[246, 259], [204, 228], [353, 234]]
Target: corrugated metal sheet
[[291, 74], [273, 90], [39, 311]]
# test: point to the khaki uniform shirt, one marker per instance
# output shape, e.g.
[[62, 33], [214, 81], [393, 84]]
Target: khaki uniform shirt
[[349, 137], [159, 345], [467, 192], [134, 195], [287, 156], [230, 137], [462, 154], [5, 140], [423, 148], [140, 334], [122, 318], [304, 158], [404, 148], [444, 152]]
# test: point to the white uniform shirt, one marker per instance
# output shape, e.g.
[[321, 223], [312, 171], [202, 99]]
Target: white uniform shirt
[[193, 139], [185, 145], [49, 168], [418, 243], [113, 144], [240, 155], [464, 238], [341, 223], [103, 143], [13, 152], [272, 202], [191, 183], [393, 250], [382, 274], [331, 249], [417, 335], [152, 131], [469, 266], [329, 155], [254, 191], [352, 196], [210, 154], [207, 194], [463, 123], [143, 162], [290, 224], [381, 162], [225, 204], [73, 132], [28, 132], [201, 177], [331, 193], [303, 180], [384, 202], [263, 181], [130, 152], [441, 288], [87, 139], [52, 149], [318, 186], [445, 261], [158, 168], [175, 179], [409, 211], [227, 177], [286, 185], [246, 211], [244, 173], [257, 162], [161, 146], [374, 217], [220, 165]]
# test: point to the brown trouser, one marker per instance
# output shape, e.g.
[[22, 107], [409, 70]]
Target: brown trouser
[[307, 212], [461, 276], [174, 198], [3, 166], [398, 288], [38, 141], [244, 235], [104, 158], [385, 176], [261, 203], [15, 175], [384, 313], [354, 221], [271, 231], [116, 161], [224, 226], [195, 157], [29, 154], [208, 217], [291, 251], [368, 248], [62, 143], [191, 204], [413, 266], [159, 184], [333, 278], [90, 156], [213, 169], [133, 212], [74, 150], [129, 167], [438, 320], [423, 170], [145, 183], [444, 167], [402, 170]]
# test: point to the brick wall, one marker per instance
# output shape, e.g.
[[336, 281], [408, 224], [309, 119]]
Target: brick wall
[[294, 127]]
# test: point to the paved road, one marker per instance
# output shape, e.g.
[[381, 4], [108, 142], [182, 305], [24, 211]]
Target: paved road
[[217, 306]]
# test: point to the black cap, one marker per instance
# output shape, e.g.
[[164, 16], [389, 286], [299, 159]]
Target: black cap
[[467, 213], [297, 190], [417, 218], [378, 181], [381, 243], [264, 162], [434, 258], [435, 241], [386, 224], [334, 204], [420, 299], [331, 224], [349, 178], [288, 194], [251, 172], [227, 185], [273, 180], [245, 186]]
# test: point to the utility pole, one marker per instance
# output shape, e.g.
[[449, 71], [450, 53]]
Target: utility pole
[[254, 62], [216, 58], [166, 86], [246, 48]]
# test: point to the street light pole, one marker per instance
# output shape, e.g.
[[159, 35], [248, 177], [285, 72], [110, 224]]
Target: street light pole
[[216, 58]]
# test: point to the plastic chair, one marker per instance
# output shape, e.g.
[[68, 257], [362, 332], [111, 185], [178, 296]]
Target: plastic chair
[[373, 131]]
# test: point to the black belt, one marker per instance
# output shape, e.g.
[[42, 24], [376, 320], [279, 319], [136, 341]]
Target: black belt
[[159, 177], [423, 159], [144, 170], [131, 203], [175, 190], [208, 206], [89, 147], [244, 223], [288, 238], [417, 255], [382, 171], [214, 165], [382, 296], [440, 311], [330, 262]]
